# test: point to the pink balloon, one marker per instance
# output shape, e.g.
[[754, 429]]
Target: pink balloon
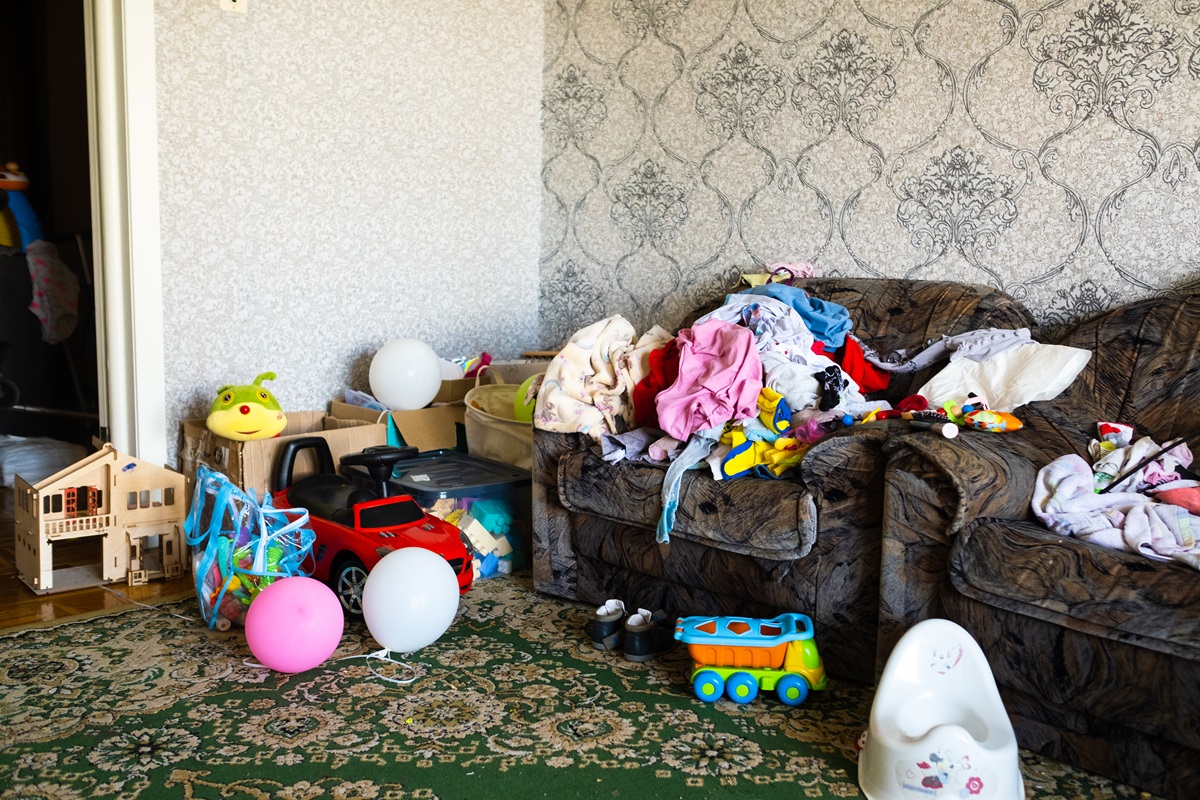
[[294, 624]]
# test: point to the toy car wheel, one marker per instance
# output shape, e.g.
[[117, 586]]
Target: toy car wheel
[[792, 690], [708, 685], [741, 687], [347, 580]]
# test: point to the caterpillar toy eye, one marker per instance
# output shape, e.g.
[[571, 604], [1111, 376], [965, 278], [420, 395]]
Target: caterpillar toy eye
[[264, 396], [227, 397]]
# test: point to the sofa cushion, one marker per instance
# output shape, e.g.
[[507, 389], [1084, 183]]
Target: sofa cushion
[[1095, 590], [773, 519]]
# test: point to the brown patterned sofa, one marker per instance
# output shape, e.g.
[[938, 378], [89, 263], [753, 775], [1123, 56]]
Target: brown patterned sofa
[[1096, 651], [751, 546]]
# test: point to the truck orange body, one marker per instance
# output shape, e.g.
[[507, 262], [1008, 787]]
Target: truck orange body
[[738, 655]]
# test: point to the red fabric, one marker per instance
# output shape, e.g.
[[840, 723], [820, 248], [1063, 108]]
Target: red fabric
[[869, 377], [1187, 498], [914, 402], [663, 365]]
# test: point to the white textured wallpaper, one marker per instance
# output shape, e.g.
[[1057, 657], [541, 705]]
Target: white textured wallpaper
[[335, 175], [1050, 149]]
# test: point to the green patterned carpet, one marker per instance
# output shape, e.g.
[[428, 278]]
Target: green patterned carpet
[[511, 702]]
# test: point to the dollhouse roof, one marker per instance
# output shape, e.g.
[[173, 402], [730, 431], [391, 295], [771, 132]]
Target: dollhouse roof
[[104, 455]]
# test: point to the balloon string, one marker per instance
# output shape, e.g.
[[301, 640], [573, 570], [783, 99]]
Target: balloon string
[[385, 655], [382, 655]]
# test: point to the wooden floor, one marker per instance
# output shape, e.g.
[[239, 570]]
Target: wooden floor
[[20, 606]]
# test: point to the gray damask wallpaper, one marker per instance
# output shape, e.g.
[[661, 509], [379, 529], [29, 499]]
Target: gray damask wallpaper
[[1049, 149]]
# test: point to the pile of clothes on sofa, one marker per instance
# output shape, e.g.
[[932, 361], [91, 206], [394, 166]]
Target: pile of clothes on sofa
[[745, 389]]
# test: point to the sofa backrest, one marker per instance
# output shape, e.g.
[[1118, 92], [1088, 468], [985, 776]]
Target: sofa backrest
[[893, 314], [1144, 370]]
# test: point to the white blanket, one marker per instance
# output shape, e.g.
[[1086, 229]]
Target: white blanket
[[1064, 499]]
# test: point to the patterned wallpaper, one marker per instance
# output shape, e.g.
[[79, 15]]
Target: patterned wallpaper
[[334, 176], [1051, 150]]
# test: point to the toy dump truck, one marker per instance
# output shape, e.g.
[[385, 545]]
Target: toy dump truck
[[738, 655]]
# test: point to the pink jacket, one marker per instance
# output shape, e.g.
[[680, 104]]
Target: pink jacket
[[720, 377]]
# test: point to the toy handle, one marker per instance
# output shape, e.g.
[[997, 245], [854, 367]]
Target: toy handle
[[282, 477]]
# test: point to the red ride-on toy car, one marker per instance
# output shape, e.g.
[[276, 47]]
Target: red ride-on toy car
[[355, 527]]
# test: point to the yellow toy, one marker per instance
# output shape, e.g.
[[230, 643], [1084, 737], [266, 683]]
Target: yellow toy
[[249, 412], [994, 421]]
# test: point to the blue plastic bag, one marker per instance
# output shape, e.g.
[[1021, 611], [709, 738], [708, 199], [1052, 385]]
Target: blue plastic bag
[[239, 547]]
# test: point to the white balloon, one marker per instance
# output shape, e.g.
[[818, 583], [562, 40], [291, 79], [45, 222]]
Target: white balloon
[[405, 374], [451, 371], [410, 599]]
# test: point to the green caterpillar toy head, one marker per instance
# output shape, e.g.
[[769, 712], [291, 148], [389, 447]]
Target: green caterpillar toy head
[[249, 412]]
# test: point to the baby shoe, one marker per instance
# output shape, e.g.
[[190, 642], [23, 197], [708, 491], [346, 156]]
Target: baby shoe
[[648, 635], [608, 625]]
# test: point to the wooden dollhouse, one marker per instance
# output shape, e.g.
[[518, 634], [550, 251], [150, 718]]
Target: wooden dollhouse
[[131, 510]]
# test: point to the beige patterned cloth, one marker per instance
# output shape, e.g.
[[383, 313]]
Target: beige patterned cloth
[[589, 383]]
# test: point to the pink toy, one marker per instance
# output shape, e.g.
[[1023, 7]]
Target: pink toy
[[294, 624]]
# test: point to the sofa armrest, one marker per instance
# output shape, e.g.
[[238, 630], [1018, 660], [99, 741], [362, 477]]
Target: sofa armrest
[[844, 474], [933, 487], [554, 570], [980, 474]]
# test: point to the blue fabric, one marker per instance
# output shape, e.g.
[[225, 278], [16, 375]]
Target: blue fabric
[[698, 447], [28, 224], [828, 322]]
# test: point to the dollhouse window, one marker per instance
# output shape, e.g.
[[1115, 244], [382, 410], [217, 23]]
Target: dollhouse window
[[169, 496], [131, 501], [144, 498], [156, 497]]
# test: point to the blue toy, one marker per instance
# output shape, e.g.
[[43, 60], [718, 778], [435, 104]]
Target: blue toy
[[19, 223]]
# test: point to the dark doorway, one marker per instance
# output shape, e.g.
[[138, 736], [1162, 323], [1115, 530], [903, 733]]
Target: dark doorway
[[44, 130]]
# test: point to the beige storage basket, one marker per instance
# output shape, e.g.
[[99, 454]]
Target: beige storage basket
[[492, 428]]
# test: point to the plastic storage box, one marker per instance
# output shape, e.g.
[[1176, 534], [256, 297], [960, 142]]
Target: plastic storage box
[[490, 501]]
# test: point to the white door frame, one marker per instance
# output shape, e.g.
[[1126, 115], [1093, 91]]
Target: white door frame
[[123, 138]]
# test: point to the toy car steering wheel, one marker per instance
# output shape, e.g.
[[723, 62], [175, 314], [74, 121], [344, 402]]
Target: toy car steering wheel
[[379, 461]]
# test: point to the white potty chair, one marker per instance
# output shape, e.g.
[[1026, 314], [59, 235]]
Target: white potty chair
[[938, 727]]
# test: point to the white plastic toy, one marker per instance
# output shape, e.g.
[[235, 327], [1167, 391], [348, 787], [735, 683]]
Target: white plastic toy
[[938, 728]]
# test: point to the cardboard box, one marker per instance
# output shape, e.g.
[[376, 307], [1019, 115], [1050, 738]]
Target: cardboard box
[[454, 391], [250, 464], [436, 427], [431, 428]]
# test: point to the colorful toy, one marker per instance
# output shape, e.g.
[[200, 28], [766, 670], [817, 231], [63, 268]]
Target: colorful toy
[[239, 547], [294, 625], [249, 412], [19, 223], [738, 655], [994, 421], [773, 411], [358, 521]]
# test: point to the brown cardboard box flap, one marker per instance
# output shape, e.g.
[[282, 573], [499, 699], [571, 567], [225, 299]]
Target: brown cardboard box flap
[[249, 465], [431, 428]]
